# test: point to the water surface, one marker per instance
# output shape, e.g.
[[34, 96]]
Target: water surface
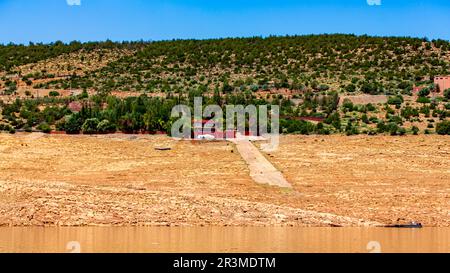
[[223, 240]]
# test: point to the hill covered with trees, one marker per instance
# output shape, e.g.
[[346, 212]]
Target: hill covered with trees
[[308, 76], [348, 63]]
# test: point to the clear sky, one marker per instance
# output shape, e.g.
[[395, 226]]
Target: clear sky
[[22, 21]]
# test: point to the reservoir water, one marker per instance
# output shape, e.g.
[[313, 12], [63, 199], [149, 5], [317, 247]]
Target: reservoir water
[[223, 240]]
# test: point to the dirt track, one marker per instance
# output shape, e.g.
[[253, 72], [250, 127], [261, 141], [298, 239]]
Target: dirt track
[[123, 180]]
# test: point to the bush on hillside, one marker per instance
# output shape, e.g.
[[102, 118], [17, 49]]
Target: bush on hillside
[[106, 127], [44, 127], [443, 128], [90, 126]]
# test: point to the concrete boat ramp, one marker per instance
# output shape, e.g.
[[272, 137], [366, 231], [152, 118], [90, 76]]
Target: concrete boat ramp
[[261, 170]]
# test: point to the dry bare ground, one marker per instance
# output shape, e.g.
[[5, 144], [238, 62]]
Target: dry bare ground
[[365, 99], [379, 178], [122, 180]]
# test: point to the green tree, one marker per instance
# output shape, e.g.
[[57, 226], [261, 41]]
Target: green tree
[[106, 127], [129, 123], [447, 94], [424, 92], [73, 124], [90, 126], [151, 122], [350, 88]]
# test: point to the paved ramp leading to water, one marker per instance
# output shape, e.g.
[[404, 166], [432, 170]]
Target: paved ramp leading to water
[[261, 170]]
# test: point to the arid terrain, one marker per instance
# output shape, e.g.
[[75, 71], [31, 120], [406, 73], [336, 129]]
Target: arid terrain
[[378, 178], [122, 180]]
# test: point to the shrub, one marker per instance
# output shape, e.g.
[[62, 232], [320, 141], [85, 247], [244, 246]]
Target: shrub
[[350, 88], [4, 127], [424, 92], [447, 94], [351, 129], [105, 127], [322, 130], [370, 107], [415, 130], [44, 127], [90, 126], [397, 100], [348, 104], [324, 87], [392, 128], [54, 94], [83, 95], [381, 127], [423, 100], [7, 128], [371, 88], [365, 119], [297, 127], [443, 128], [60, 125], [405, 86]]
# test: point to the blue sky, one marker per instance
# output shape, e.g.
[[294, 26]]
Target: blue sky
[[22, 21]]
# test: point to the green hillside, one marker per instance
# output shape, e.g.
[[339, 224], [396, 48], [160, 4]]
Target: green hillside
[[349, 63], [310, 78]]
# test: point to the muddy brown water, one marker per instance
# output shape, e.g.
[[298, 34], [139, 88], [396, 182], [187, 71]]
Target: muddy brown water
[[223, 240]]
